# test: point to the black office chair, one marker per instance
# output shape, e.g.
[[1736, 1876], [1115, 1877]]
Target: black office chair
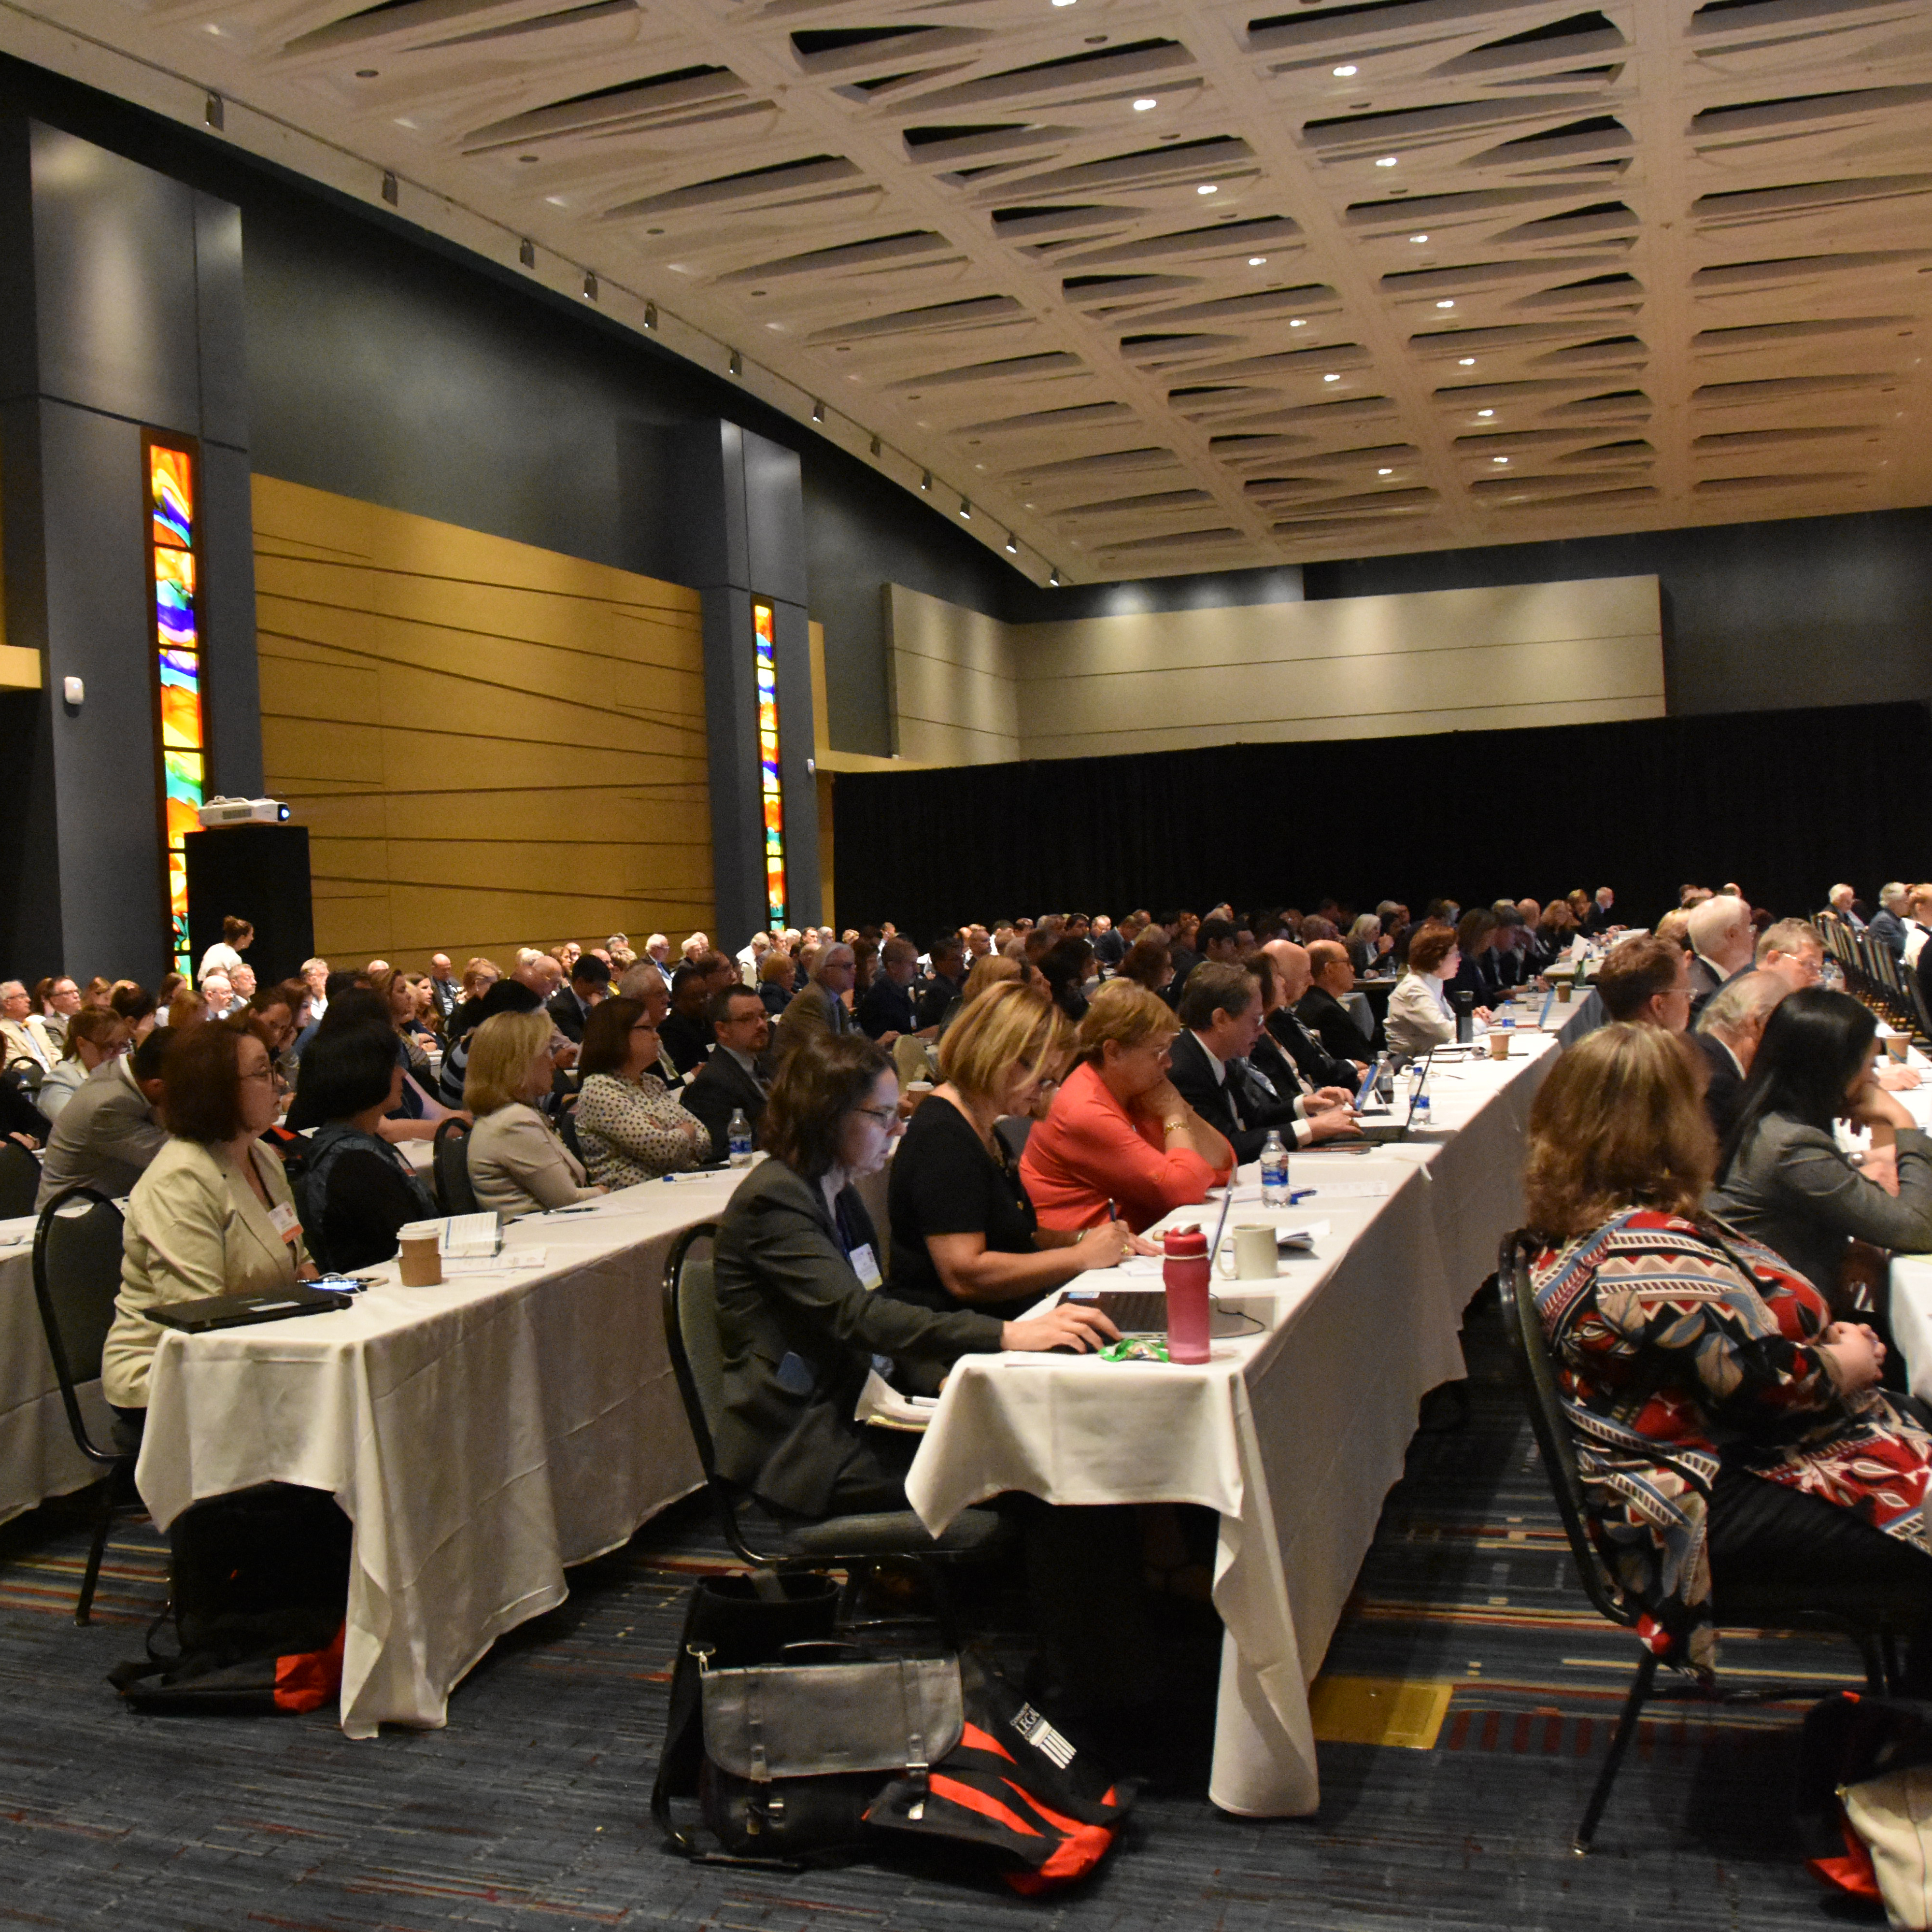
[[1012, 1129], [76, 1276], [852, 1543], [1739, 1606], [450, 1168], [20, 1179]]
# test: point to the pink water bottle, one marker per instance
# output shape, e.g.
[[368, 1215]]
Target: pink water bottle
[[1185, 1273]]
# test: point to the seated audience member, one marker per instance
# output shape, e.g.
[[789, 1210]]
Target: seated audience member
[[1148, 962], [1220, 1015], [478, 976], [1841, 903], [1420, 1015], [730, 1081], [1727, 1033], [1119, 1134], [1646, 979], [502, 996], [1782, 1179], [1601, 918], [94, 1037], [943, 986], [1888, 923], [355, 1190], [1477, 975], [1110, 943], [1315, 1065], [1219, 939], [25, 1041], [57, 999], [776, 979], [416, 1115], [571, 1005], [629, 1126], [819, 1007], [1332, 977], [1722, 941], [277, 1012], [225, 955], [517, 1164], [1367, 943], [1917, 922], [1675, 927], [885, 1009], [1064, 967], [1792, 950], [110, 1130], [1557, 932], [219, 998], [964, 1233], [685, 1035], [796, 1262], [136, 1005], [1775, 1453], [212, 1214]]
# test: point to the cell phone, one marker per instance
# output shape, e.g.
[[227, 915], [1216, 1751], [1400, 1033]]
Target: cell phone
[[343, 1284]]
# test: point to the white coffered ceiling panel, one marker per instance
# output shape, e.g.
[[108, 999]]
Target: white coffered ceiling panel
[[1174, 287]]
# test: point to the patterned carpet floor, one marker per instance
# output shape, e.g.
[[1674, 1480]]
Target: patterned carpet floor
[[1464, 1706]]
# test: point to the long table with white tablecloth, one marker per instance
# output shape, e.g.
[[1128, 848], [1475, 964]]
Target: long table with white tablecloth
[[1294, 1435], [37, 1455]]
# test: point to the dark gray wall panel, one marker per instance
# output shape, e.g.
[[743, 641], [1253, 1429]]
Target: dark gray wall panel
[[774, 520], [98, 619], [114, 284], [231, 683], [731, 740], [30, 925], [221, 307]]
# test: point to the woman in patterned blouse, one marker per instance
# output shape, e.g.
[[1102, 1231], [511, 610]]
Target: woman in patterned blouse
[[1727, 1429], [630, 1125]]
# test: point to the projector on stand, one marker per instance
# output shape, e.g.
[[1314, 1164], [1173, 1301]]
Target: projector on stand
[[220, 811]]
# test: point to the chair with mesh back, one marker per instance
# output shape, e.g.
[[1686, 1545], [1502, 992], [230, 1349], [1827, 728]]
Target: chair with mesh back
[[451, 1169], [851, 1543], [76, 1276], [1751, 1607], [20, 1179]]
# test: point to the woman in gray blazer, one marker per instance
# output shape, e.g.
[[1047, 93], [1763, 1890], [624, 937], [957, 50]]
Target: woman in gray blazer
[[1782, 1179], [797, 1264], [517, 1164]]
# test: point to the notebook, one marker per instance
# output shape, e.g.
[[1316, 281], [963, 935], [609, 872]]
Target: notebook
[[210, 1312]]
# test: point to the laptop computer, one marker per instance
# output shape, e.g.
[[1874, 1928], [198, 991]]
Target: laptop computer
[[208, 1312], [1380, 1134], [1143, 1311]]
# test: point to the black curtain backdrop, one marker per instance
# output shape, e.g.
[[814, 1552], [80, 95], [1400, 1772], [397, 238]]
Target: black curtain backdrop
[[1785, 803]]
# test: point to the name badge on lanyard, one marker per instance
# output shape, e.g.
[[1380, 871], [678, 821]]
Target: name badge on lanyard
[[283, 1219], [864, 1264]]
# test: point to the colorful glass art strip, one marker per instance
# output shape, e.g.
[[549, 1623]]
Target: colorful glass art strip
[[771, 785], [183, 743]]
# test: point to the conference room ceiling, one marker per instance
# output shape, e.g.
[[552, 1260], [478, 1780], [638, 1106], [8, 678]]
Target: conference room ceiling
[[1176, 287]]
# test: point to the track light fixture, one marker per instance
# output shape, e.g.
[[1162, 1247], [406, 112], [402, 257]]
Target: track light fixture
[[925, 480], [650, 315], [589, 285], [818, 411], [526, 254], [737, 363], [391, 194]]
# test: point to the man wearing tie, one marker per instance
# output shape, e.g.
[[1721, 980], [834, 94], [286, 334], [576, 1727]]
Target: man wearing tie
[[1220, 1016], [1316, 1065], [730, 1079]]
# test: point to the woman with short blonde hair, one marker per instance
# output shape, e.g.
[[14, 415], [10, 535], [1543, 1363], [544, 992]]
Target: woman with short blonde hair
[[1727, 1430], [517, 1165], [1118, 1135]]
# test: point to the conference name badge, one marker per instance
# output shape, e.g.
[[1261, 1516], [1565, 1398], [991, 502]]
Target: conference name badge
[[864, 1264], [282, 1218]]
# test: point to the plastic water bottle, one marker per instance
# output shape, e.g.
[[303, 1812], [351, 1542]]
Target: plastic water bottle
[[1274, 1171], [1420, 1120], [738, 1136]]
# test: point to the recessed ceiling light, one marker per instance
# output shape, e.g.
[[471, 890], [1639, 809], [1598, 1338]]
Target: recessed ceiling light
[[1053, 577], [1256, 261], [1012, 549], [1418, 238], [1465, 361], [365, 73], [526, 157], [1486, 412], [1298, 321], [925, 482], [1445, 305], [1499, 459], [1331, 379], [965, 511], [1386, 161], [558, 201], [1062, 3], [1343, 72], [1146, 101], [1385, 472], [1207, 187]]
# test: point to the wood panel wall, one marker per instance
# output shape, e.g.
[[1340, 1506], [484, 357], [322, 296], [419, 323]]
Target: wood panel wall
[[973, 690], [491, 745]]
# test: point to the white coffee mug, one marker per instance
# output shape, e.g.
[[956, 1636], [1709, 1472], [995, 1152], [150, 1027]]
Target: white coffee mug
[[1255, 1256]]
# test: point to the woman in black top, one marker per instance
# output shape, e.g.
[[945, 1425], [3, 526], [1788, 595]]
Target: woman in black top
[[1064, 966], [965, 1235], [355, 1190]]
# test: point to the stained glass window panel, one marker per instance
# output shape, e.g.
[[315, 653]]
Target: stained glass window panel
[[179, 727], [771, 784]]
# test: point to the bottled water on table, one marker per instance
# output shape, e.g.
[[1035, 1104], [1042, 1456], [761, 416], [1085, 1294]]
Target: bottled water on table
[[738, 1135], [1274, 1171]]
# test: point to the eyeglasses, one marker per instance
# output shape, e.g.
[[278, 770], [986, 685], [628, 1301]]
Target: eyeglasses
[[260, 1073], [885, 1116]]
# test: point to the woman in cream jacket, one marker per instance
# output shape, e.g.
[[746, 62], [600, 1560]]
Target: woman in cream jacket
[[517, 1165], [213, 1214], [1420, 1015]]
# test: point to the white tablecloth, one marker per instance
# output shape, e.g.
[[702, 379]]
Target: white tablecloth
[[38, 1456], [1294, 1436]]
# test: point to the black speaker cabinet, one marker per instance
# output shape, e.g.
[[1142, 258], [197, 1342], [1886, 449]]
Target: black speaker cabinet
[[258, 873]]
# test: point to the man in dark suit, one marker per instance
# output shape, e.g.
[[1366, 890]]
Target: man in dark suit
[[944, 985], [730, 1080], [1316, 1066], [1320, 1009], [105, 1136], [443, 987], [886, 1008], [1221, 1020], [1180, 955], [1888, 924], [1728, 1031], [1109, 948], [1723, 940], [1602, 915], [590, 985], [685, 1034]]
